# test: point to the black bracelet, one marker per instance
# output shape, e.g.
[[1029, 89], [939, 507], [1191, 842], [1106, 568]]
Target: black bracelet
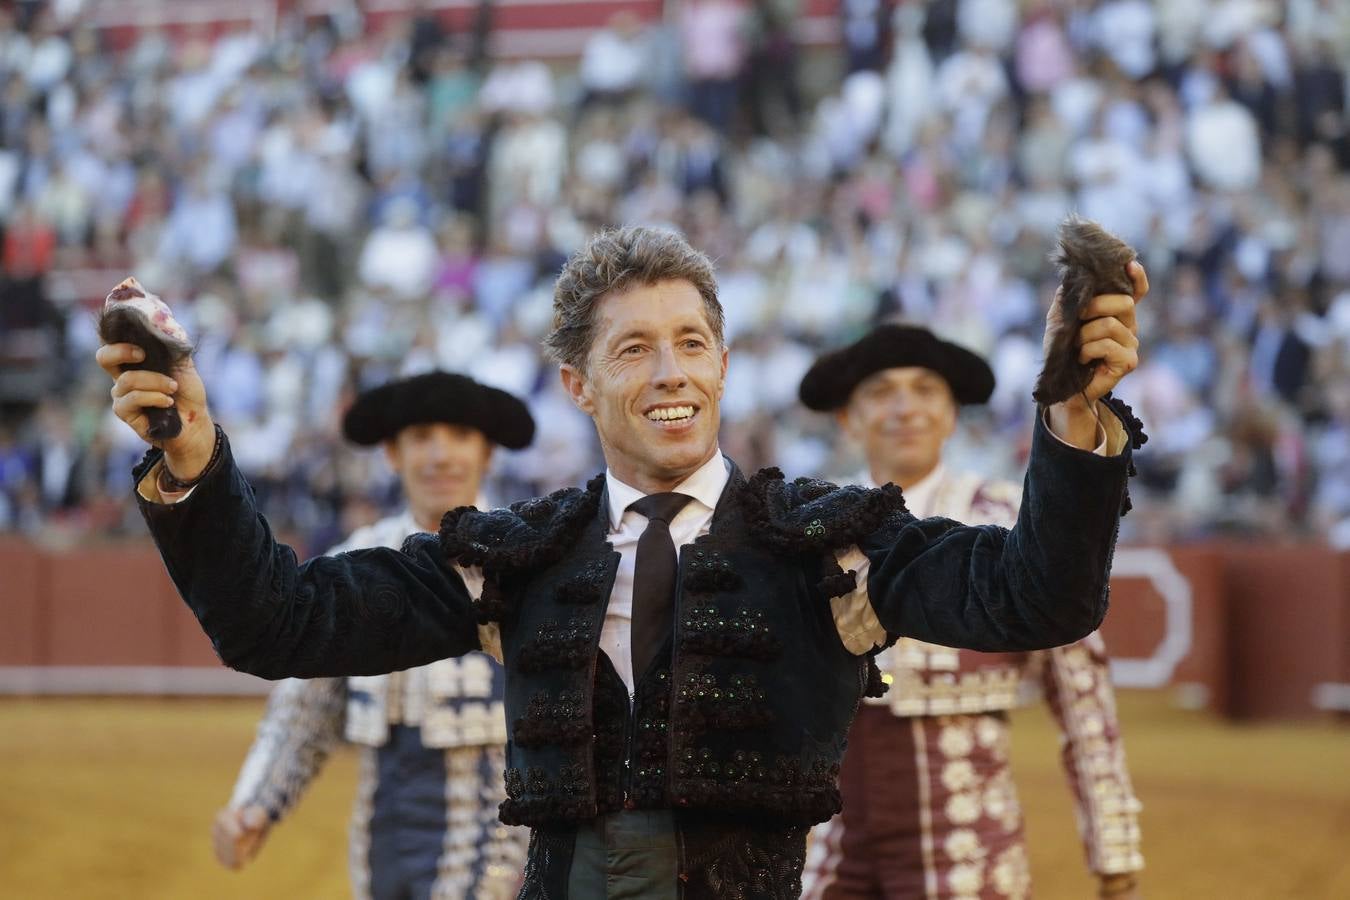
[[168, 482]]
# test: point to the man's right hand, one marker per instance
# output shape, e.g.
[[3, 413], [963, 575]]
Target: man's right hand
[[238, 834], [134, 390]]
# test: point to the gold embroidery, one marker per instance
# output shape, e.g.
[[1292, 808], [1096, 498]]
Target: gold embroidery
[[1000, 801], [955, 741], [959, 775], [964, 844], [915, 692], [467, 676], [1010, 874], [966, 878], [989, 732], [963, 809]]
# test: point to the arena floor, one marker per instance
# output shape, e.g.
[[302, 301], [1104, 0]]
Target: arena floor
[[112, 798]]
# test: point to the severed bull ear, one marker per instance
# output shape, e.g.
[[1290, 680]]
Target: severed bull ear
[[1091, 261], [130, 315]]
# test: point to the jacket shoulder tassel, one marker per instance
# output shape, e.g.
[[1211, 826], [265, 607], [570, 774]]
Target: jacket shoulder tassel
[[523, 537], [809, 515], [815, 517], [529, 534]]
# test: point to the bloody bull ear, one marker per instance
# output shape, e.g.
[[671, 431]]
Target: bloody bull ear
[[1091, 261], [131, 315]]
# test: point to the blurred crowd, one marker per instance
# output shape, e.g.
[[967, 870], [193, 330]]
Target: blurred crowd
[[342, 202]]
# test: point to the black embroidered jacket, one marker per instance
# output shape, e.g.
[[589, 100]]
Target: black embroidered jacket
[[746, 716]]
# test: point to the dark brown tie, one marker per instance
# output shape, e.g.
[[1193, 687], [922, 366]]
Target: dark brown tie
[[654, 578]]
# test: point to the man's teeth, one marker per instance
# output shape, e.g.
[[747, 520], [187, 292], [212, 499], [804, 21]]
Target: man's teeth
[[671, 413]]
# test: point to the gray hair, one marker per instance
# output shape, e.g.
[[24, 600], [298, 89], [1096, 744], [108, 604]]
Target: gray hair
[[617, 259]]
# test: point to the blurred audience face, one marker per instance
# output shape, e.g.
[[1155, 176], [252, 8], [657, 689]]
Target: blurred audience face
[[441, 467], [901, 417], [653, 383]]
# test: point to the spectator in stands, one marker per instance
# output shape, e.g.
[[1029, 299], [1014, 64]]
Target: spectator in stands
[[713, 39], [1330, 450], [400, 255], [16, 471], [201, 230], [773, 97], [1224, 143], [613, 64], [865, 32]]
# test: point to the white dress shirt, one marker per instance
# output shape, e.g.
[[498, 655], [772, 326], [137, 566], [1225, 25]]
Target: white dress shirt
[[853, 615], [625, 528]]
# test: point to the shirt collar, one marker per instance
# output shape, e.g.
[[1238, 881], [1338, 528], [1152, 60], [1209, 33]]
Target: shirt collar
[[918, 496], [704, 484]]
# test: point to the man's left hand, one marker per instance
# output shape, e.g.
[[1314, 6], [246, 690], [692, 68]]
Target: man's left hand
[[1110, 338], [1109, 342]]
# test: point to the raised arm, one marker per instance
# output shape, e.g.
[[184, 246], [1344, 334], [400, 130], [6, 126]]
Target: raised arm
[[1042, 584], [1045, 582], [364, 612], [359, 613]]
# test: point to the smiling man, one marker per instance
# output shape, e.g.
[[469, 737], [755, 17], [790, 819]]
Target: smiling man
[[684, 647], [432, 739]]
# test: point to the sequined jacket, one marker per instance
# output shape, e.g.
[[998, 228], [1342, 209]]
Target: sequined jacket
[[929, 680], [751, 716]]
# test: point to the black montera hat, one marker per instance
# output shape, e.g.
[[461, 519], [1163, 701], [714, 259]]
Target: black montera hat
[[382, 412], [831, 380]]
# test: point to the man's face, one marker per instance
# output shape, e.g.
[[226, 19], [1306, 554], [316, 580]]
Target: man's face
[[653, 383], [441, 467], [901, 417]]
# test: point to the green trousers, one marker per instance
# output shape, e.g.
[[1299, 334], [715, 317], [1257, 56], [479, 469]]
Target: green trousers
[[630, 855]]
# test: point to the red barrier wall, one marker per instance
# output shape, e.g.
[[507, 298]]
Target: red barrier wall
[[1258, 626], [106, 605], [23, 631], [1286, 624]]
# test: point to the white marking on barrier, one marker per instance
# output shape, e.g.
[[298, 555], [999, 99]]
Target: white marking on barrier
[[1332, 695], [1157, 568]]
